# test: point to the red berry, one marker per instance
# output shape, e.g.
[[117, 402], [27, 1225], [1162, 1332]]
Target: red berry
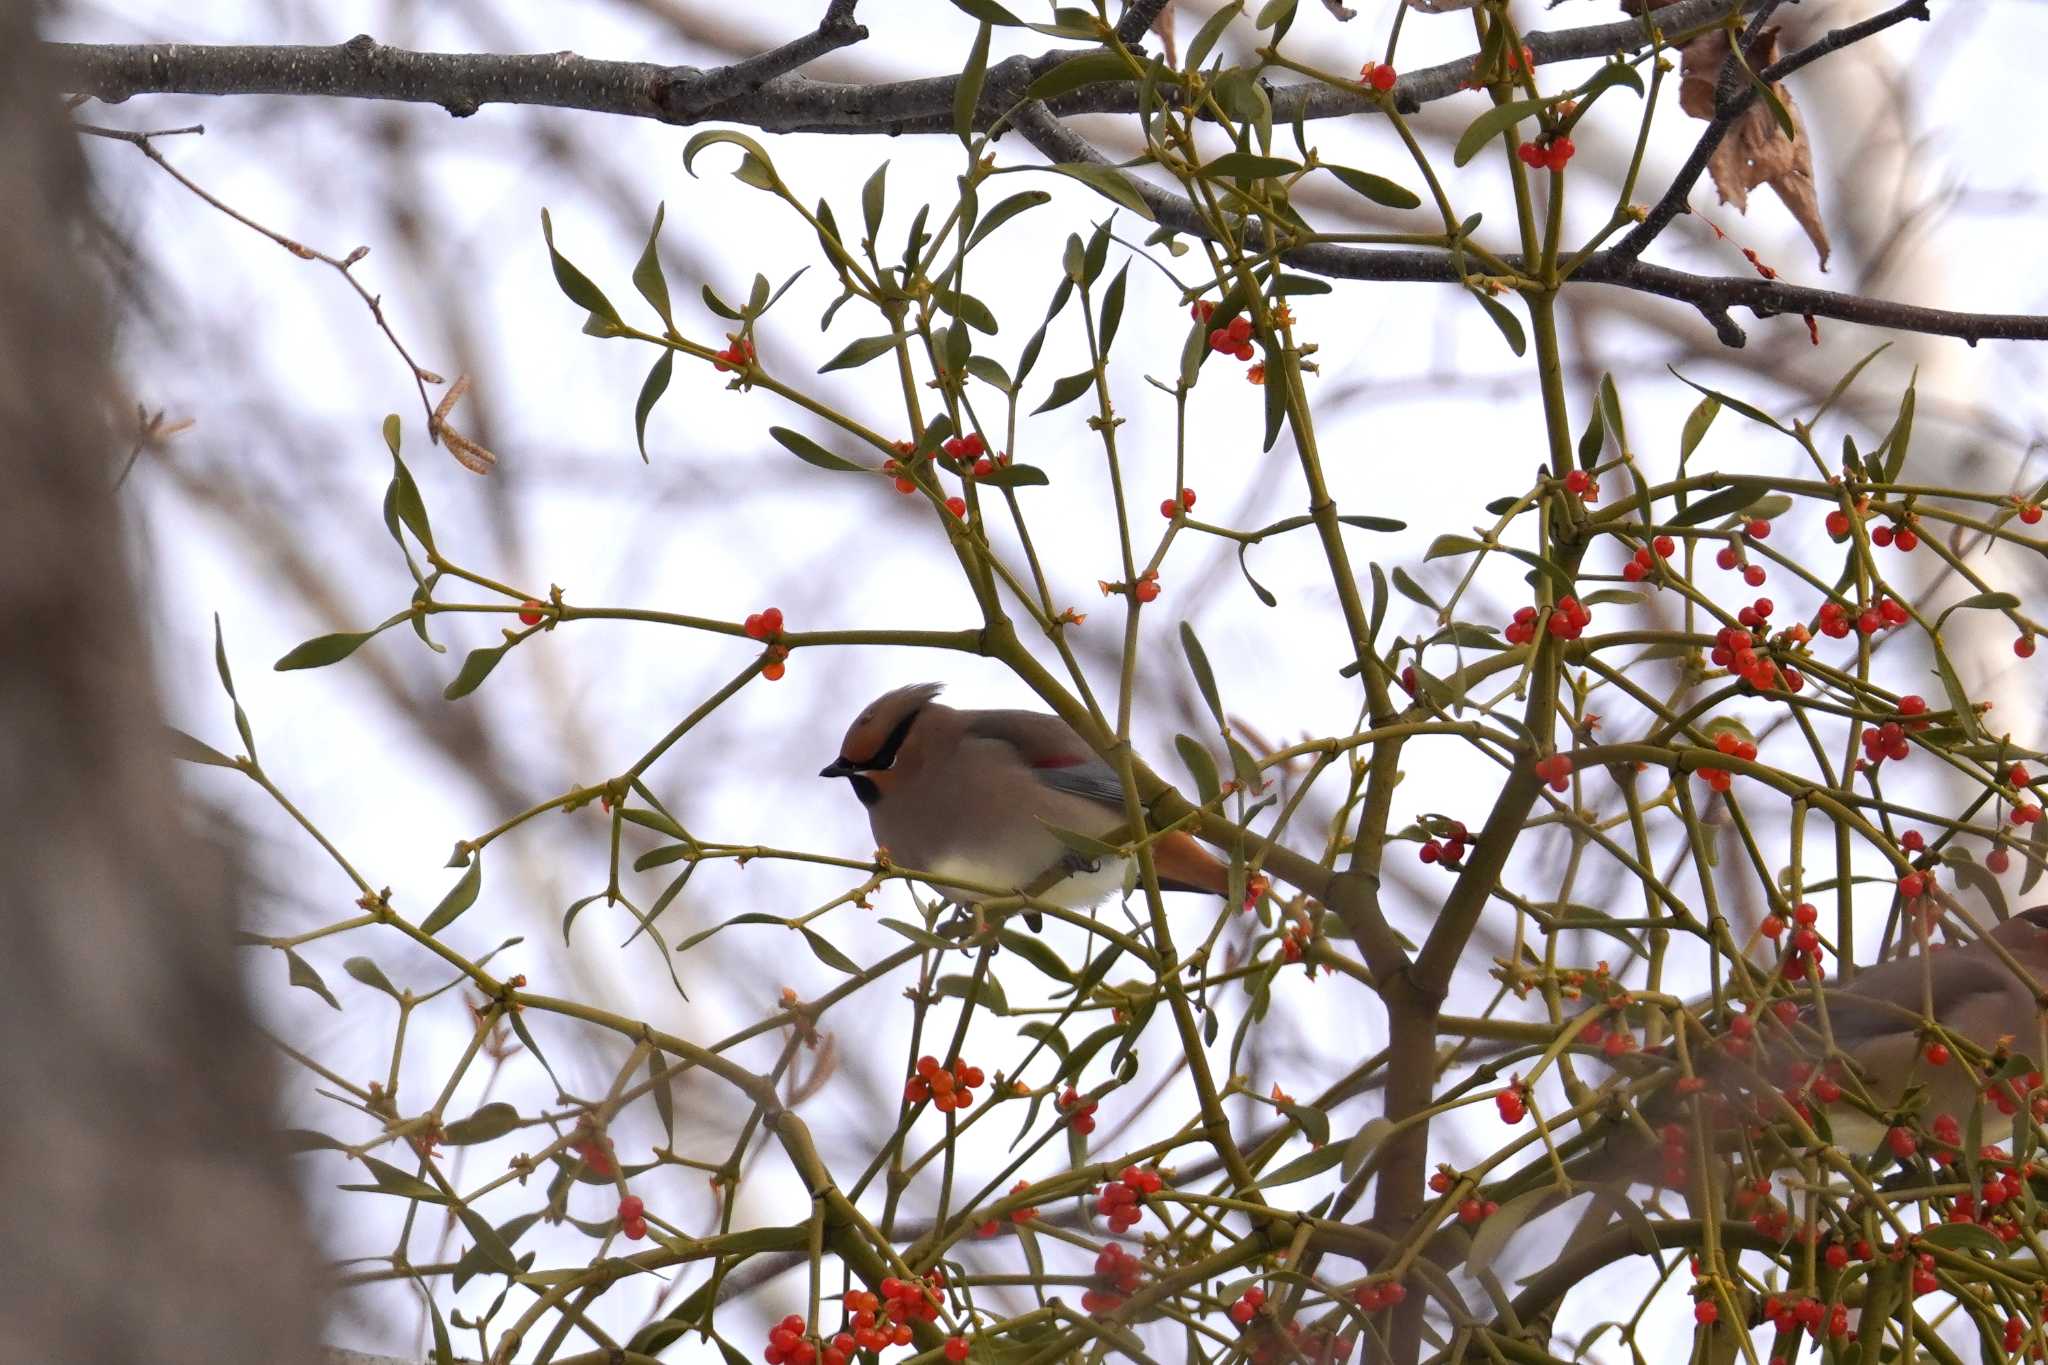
[[2024, 646], [631, 1207], [1705, 1313], [957, 506], [529, 613], [1382, 77], [1772, 926], [1754, 575], [1912, 704], [1906, 540], [1664, 546], [1561, 150], [1902, 1142], [1759, 529], [2030, 513], [1838, 524], [1998, 861], [1937, 1054], [1726, 557], [1881, 536], [1912, 884], [956, 1348], [1147, 589], [773, 672], [1169, 509], [1471, 1211]]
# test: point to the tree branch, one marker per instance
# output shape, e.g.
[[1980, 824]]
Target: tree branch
[[749, 92], [1712, 296]]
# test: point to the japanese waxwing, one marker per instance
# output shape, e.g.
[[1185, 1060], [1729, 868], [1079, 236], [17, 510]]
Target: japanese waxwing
[[974, 795], [1879, 1024]]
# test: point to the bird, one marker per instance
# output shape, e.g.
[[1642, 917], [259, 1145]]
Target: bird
[[1891, 1029], [972, 797]]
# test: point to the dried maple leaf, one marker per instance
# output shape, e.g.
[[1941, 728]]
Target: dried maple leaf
[[1755, 150]]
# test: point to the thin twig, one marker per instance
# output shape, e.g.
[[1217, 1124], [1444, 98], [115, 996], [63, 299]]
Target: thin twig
[[343, 264]]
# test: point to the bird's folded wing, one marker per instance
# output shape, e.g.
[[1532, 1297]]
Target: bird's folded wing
[[1056, 755]]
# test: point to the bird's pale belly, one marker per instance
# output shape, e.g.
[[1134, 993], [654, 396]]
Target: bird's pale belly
[[1075, 891]]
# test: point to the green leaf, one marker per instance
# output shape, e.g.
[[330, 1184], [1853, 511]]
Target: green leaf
[[1201, 765], [474, 670], [1592, 440], [460, 897], [1038, 953], [990, 373], [391, 1180], [1446, 545], [1413, 591], [1739, 496], [195, 751], [1312, 1162], [1066, 390], [810, 452], [972, 311], [1696, 424], [574, 282], [1365, 523], [1900, 437], [300, 973], [822, 949], [719, 305], [1205, 677], [1377, 188], [860, 351], [1248, 166], [647, 276], [227, 682], [1075, 73], [1492, 124], [650, 393], [1258, 588], [1013, 476], [1109, 182], [967, 94], [1276, 15], [493, 1120], [1112, 309], [754, 169], [1510, 326], [1210, 34], [1981, 601], [1004, 212], [1492, 1235], [1958, 696], [370, 974], [989, 12], [873, 196], [1753, 414], [474, 1261], [987, 991], [1363, 1142], [1313, 1122], [300, 1140], [1276, 410]]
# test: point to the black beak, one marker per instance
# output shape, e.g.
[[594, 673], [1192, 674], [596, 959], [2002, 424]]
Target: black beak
[[838, 767]]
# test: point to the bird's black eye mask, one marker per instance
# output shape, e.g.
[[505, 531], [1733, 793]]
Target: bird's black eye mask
[[885, 757]]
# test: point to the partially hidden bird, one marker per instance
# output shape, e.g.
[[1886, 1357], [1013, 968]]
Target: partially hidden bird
[[976, 795], [1888, 1024]]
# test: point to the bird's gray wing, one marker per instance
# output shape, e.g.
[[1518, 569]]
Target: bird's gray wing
[[1058, 758], [1968, 989]]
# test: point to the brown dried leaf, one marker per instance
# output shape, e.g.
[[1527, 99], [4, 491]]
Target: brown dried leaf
[[1755, 150]]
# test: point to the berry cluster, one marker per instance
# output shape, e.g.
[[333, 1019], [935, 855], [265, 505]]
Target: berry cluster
[[1120, 1199], [1375, 1295], [632, 1218], [738, 356], [1117, 1276], [767, 625], [788, 1342], [1637, 569], [1473, 1211], [1674, 1148], [1733, 745], [1450, 850], [1567, 621], [1247, 1306], [1556, 769], [1173, 507], [593, 1148], [1081, 1112], [1546, 153], [1899, 535], [1731, 556], [948, 1087], [1736, 649], [1234, 340]]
